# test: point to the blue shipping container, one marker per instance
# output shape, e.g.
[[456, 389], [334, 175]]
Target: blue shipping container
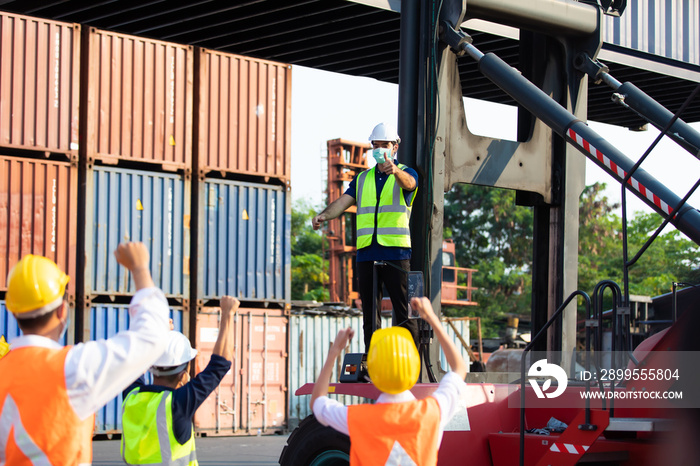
[[9, 328], [107, 320], [245, 249], [131, 205]]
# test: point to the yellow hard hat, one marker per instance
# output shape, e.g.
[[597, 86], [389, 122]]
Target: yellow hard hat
[[4, 347], [393, 363], [35, 286]]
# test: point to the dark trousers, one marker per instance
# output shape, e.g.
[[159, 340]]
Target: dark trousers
[[396, 283]]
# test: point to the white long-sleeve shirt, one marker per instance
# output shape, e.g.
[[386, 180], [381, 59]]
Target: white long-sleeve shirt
[[451, 396], [97, 371]]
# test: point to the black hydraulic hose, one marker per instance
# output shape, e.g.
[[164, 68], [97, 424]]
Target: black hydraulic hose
[[605, 155], [525, 93], [634, 98]]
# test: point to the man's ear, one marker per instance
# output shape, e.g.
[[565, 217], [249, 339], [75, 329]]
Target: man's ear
[[61, 311]]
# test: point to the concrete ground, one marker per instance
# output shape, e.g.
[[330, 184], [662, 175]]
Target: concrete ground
[[211, 451]]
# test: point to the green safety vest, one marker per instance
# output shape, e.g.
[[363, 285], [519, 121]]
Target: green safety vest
[[147, 431], [389, 218]]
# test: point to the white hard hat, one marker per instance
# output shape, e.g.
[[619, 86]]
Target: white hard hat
[[385, 132], [178, 353]]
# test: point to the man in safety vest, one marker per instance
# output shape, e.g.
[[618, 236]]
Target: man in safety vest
[[49, 393], [157, 420], [384, 195], [397, 429]]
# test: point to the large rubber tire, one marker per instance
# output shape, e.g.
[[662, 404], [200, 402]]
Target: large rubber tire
[[312, 444]]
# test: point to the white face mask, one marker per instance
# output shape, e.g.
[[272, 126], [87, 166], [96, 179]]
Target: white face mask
[[66, 324], [381, 154]]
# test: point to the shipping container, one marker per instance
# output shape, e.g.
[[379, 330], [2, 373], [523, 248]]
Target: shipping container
[[664, 28], [310, 338], [132, 205], [138, 100], [252, 397], [38, 214], [264, 372], [105, 321], [220, 413], [244, 115], [9, 328], [244, 247], [39, 84]]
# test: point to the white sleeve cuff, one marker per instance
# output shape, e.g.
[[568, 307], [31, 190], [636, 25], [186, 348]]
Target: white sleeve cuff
[[331, 413]]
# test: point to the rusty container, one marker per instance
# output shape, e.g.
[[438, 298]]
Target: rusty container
[[104, 321], [137, 99], [38, 214], [252, 396], [39, 84], [244, 115]]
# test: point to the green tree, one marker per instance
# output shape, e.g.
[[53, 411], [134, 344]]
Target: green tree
[[309, 271], [494, 236], [600, 239], [670, 258]]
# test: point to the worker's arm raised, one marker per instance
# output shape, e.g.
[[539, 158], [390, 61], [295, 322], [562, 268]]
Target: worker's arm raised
[[334, 210], [454, 358], [224, 345], [96, 371], [134, 256], [403, 178], [321, 385]]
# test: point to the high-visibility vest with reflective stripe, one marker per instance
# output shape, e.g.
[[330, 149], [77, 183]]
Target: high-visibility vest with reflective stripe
[[38, 425], [147, 431], [391, 434], [389, 217]]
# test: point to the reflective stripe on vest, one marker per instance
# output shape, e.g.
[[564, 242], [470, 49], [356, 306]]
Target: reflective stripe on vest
[[392, 434], [138, 408], [38, 425], [10, 418], [391, 213]]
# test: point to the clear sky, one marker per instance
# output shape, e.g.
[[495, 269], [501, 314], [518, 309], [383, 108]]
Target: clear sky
[[331, 105]]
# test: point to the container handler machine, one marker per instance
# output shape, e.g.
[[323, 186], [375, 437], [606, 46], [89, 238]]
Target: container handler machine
[[607, 406]]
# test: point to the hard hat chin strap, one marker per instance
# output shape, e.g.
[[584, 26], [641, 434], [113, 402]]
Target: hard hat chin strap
[[164, 371]]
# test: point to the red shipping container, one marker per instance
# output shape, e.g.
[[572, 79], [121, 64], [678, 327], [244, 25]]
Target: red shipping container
[[138, 100], [244, 107], [39, 84], [38, 214], [252, 396]]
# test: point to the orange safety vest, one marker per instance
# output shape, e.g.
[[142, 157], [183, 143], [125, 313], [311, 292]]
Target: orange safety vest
[[37, 423], [392, 434]]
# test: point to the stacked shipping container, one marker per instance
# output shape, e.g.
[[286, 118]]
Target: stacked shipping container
[[38, 142], [136, 161], [138, 99], [39, 85], [242, 224], [252, 396], [136, 106], [135, 164]]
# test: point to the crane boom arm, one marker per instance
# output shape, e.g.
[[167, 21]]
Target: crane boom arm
[[654, 193]]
